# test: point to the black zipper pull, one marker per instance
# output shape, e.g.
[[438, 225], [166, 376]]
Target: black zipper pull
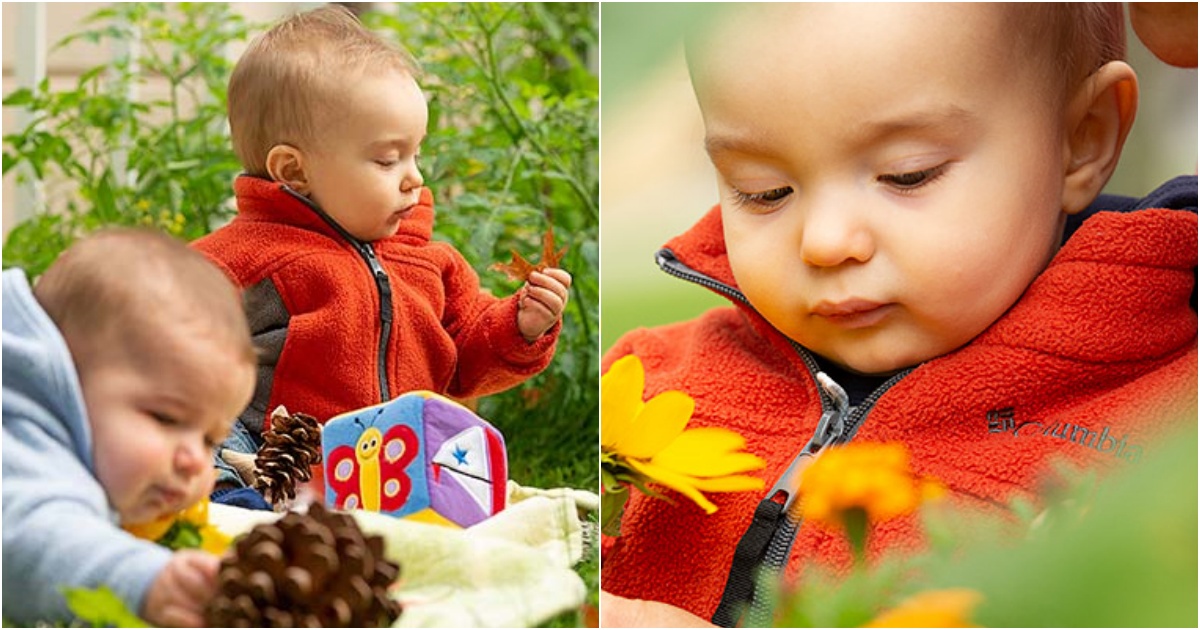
[[768, 540], [830, 430]]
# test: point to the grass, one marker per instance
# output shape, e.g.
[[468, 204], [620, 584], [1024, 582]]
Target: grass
[[544, 455]]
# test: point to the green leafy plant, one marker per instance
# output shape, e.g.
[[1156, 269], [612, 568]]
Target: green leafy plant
[[118, 160], [101, 608]]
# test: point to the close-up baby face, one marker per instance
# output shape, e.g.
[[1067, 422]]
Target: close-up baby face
[[891, 176]]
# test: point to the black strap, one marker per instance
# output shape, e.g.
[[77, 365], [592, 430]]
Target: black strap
[[747, 557]]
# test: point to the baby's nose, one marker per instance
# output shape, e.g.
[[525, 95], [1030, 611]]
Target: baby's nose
[[413, 180], [191, 458], [831, 236]]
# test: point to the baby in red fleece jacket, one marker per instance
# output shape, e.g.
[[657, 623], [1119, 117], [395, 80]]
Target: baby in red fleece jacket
[[350, 300], [895, 183]]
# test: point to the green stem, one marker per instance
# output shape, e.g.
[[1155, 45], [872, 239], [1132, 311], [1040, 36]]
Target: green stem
[[856, 525]]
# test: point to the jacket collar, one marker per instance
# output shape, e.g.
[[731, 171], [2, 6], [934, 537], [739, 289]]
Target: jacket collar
[[260, 199]]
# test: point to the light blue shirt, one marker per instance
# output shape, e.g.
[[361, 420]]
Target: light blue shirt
[[58, 528]]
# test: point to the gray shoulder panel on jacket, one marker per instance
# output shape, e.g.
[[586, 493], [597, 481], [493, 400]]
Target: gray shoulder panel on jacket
[[268, 319]]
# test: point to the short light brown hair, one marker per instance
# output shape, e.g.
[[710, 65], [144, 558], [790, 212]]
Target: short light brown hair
[[1071, 40], [281, 88], [1066, 41], [119, 290]]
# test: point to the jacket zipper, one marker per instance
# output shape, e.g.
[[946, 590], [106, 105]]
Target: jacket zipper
[[838, 425], [382, 286]]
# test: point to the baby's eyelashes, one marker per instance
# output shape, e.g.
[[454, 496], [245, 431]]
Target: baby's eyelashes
[[165, 420], [903, 182], [770, 198]]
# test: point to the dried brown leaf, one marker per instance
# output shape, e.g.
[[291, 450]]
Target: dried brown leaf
[[520, 268]]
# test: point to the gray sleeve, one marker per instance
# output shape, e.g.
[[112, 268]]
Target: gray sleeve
[[268, 319], [268, 325], [58, 529]]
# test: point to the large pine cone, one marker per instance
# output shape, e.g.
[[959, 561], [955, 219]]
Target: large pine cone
[[292, 448], [305, 570]]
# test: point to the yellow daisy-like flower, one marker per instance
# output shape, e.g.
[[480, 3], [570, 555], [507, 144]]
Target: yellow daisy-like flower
[[152, 530], [210, 538], [874, 478], [947, 608], [651, 439]]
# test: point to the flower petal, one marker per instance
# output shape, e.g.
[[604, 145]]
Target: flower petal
[[621, 398], [662, 420], [947, 608], [680, 483], [708, 452], [730, 483]]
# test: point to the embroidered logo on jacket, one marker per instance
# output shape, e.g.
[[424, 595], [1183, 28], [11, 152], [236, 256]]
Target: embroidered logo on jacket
[[1004, 420]]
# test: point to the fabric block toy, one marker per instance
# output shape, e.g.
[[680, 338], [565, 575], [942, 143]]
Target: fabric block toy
[[419, 456]]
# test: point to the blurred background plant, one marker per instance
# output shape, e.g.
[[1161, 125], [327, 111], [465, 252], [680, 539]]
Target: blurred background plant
[[512, 150], [117, 159], [1101, 551]]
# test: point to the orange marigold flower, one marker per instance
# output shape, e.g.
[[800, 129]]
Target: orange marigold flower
[[947, 608], [874, 478]]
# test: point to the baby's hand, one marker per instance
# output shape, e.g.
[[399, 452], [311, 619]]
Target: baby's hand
[[542, 301], [619, 612], [178, 595]]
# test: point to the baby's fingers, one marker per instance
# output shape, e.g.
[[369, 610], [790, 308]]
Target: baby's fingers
[[556, 280], [551, 300], [180, 617], [198, 574]]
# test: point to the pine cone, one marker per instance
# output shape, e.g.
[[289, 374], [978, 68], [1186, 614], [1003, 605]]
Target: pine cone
[[305, 570], [293, 446]]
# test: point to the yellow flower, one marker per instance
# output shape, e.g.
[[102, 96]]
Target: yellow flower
[[211, 539], [874, 478], [652, 440], [948, 608], [152, 530]]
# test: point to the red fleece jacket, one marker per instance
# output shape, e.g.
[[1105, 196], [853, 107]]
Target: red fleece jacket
[[1097, 356], [445, 334]]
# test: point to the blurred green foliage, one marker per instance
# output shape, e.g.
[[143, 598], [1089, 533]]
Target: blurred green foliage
[[1118, 550], [163, 162]]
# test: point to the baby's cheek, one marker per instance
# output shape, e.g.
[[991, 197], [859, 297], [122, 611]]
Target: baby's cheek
[[205, 481]]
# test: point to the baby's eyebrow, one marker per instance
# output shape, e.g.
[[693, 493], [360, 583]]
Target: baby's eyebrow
[[948, 118], [395, 142], [943, 120], [739, 143]]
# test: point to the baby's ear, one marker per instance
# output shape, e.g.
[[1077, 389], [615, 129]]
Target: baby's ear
[[285, 164], [1099, 116]]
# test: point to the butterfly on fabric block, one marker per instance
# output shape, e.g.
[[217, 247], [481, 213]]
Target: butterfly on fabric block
[[419, 456]]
